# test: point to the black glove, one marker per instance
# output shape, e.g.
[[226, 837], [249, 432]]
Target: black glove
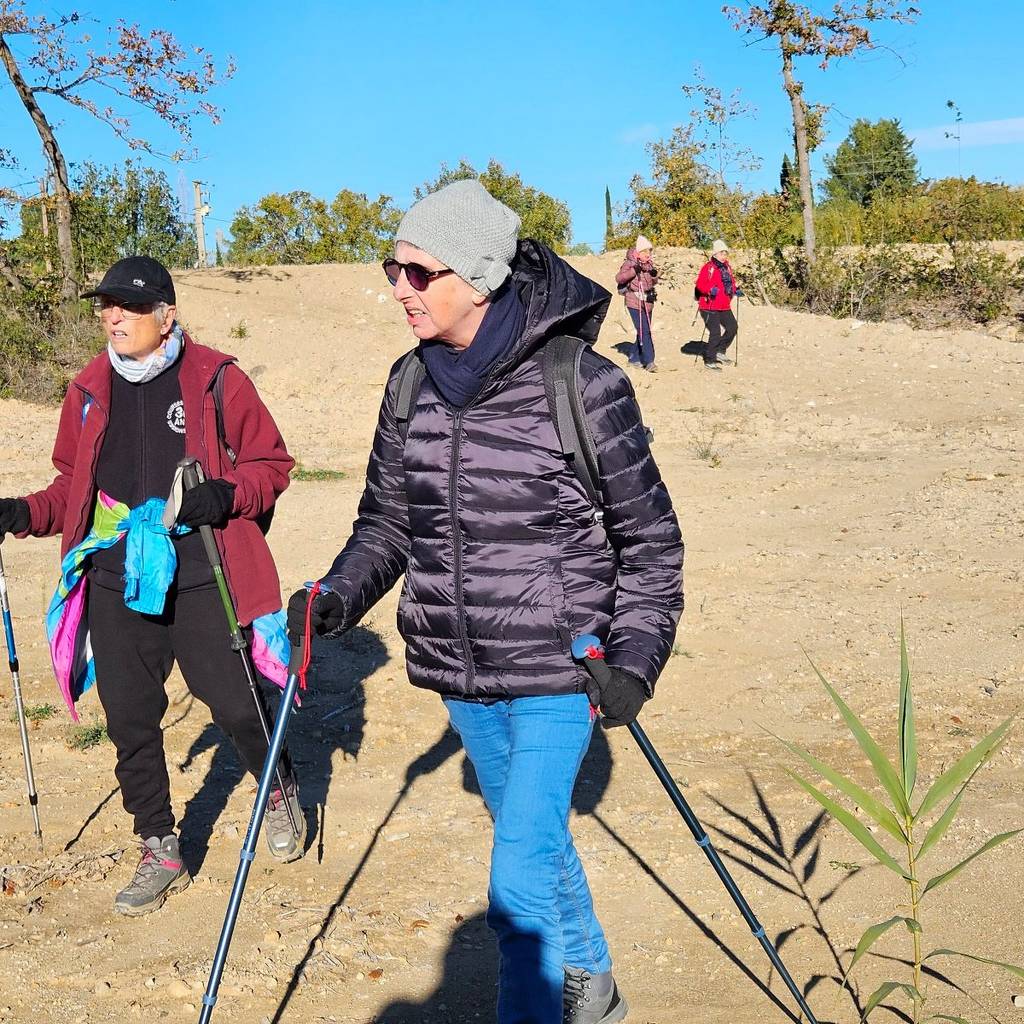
[[207, 504], [738, 292], [15, 516], [622, 697], [326, 615]]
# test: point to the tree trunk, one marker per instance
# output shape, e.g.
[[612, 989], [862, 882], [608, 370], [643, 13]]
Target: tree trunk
[[794, 90], [62, 190]]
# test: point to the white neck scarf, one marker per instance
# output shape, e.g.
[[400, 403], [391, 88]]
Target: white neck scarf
[[138, 371]]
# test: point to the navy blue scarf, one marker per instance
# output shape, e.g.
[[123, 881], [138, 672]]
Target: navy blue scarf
[[727, 281], [459, 374]]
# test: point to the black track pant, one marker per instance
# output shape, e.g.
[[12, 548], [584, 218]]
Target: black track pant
[[134, 654], [722, 328]]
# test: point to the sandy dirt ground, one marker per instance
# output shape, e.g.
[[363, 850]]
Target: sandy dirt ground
[[841, 474]]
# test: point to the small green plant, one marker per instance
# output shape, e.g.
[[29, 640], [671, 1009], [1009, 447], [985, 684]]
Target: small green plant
[[681, 652], [36, 712], [301, 473], [83, 737], [905, 824], [240, 330], [703, 438]]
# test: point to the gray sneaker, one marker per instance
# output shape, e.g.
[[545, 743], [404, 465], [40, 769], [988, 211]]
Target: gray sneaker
[[591, 998], [161, 871], [284, 844]]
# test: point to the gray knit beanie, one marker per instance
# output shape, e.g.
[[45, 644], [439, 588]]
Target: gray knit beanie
[[467, 229]]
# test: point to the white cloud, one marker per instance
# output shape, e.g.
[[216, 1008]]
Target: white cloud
[[638, 133], [972, 133]]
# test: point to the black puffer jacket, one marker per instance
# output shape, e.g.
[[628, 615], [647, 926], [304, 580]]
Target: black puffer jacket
[[504, 560]]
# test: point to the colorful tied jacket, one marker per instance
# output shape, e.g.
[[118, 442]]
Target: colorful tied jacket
[[259, 473]]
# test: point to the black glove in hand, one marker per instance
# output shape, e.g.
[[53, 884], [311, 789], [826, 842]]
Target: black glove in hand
[[326, 615], [207, 504], [14, 516], [622, 697]]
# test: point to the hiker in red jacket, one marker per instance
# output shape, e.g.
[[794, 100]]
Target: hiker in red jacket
[[138, 408], [714, 291], [636, 280]]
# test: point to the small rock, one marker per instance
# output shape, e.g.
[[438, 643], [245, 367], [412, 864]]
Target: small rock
[[272, 936], [1018, 1000], [102, 988], [178, 989]]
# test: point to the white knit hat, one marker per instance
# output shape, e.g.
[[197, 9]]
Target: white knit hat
[[467, 229], [718, 246], [642, 243]]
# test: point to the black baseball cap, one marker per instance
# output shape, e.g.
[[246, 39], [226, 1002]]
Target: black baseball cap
[[136, 279]]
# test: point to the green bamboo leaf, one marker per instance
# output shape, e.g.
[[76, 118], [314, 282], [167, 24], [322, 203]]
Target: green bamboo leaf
[[883, 990], [862, 798], [938, 830], [946, 1016], [1019, 971], [908, 737], [953, 777], [935, 882], [884, 770], [852, 825], [874, 933]]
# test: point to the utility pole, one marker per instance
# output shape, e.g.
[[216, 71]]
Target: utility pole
[[44, 191], [202, 209]]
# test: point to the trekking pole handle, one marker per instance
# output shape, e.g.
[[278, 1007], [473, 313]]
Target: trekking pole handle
[[589, 649], [192, 476]]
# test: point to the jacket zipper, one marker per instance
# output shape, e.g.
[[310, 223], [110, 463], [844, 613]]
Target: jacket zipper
[[144, 427], [453, 500]]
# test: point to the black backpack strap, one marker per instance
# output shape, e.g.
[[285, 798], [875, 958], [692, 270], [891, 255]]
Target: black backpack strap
[[561, 369], [410, 377], [218, 408]]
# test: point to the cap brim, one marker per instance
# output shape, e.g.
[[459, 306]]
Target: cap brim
[[125, 293]]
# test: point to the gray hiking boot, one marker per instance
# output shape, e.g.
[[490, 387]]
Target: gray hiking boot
[[591, 998], [284, 844], [161, 871]]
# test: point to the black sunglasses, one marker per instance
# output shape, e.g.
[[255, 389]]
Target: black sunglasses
[[418, 277]]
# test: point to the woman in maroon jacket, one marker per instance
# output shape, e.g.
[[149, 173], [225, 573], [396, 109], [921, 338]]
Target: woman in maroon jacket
[[636, 280], [715, 289], [129, 417]]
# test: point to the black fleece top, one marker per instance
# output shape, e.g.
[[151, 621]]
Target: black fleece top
[[143, 444]]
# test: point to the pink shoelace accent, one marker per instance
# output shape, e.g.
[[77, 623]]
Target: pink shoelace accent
[[149, 857]]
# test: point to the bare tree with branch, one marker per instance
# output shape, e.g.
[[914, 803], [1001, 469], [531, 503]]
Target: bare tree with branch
[[136, 70], [802, 32]]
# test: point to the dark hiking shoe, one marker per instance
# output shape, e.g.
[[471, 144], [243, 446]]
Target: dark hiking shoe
[[284, 844], [713, 364], [591, 998], [160, 873], [651, 367], [725, 360]]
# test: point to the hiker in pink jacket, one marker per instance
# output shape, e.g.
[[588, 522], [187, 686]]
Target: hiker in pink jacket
[[636, 280]]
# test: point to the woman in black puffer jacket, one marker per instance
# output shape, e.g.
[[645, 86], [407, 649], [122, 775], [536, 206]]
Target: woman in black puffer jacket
[[506, 560]]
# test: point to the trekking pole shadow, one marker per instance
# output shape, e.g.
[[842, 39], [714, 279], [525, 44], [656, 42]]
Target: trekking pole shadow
[[446, 746], [332, 717], [797, 863]]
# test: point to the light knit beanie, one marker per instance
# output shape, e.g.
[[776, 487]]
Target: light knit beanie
[[718, 246], [467, 229], [642, 243]]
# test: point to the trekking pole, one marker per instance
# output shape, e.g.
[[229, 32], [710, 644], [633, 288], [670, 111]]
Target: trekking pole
[[297, 665], [191, 476], [12, 663], [589, 650], [736, 361]]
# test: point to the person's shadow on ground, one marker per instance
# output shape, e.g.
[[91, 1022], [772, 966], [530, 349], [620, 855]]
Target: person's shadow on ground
[[694, 348], [332, 717]]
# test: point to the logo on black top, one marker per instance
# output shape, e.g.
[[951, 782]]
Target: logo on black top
[[176, 417]]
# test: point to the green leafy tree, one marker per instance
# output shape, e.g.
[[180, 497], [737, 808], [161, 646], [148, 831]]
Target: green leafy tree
[[298, 227], [678, 206], [544, 218], [875, 159], [800, 31], [789, 184]]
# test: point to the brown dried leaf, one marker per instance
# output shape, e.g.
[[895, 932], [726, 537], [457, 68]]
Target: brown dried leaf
[[376, 974], [419, 923]]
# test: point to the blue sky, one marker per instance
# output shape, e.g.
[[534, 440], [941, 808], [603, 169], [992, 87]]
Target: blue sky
[[374, 96]]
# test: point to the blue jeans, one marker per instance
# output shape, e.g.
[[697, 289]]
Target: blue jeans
[[527, 753], [643, 353]]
